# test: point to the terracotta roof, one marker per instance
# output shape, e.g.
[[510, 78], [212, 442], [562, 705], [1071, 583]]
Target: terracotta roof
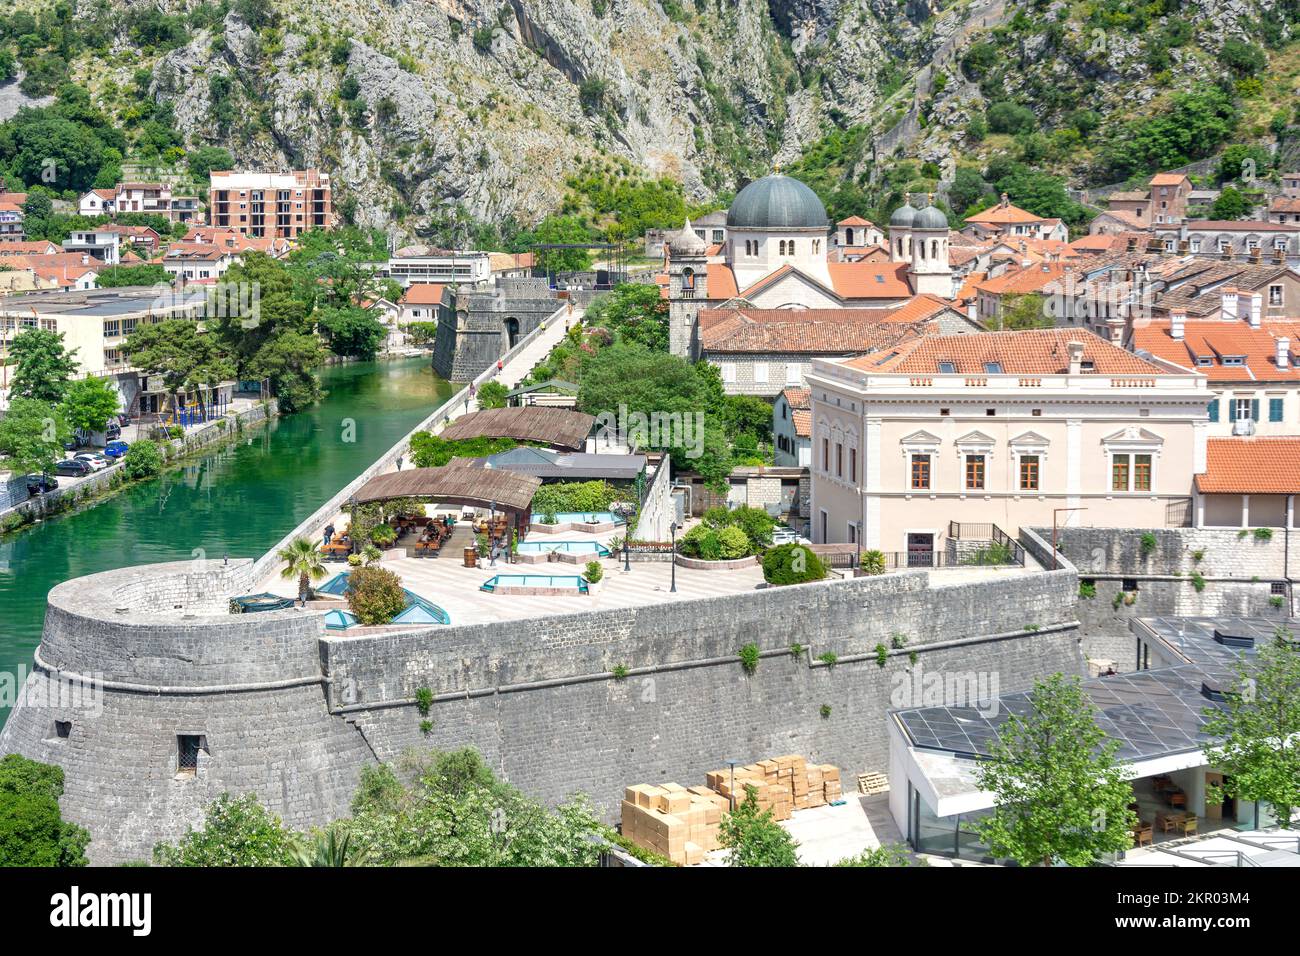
[[1229, 225], [422, 293], [1028, 352], [833, 331], [1124, 216], [870, 280], [1251, 466], [797, 397], [1285, 204], [1003, 215], [196, 251], [1136, 195], [1212, 341], [1022, 281], [721, 281], [28, 248], [1167, 179], [855, 221]]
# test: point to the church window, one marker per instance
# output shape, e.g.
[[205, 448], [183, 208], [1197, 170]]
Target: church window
[[848, 236]]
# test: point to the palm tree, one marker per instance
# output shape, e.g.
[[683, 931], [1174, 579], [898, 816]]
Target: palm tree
[[330, 848], [302, 560]]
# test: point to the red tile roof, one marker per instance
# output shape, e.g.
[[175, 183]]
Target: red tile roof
[[855, 221], [422, 293], [1028, 352], [870, 280], [832, 331], [1214, 340], [1003, 216], [1021, 281], [1167, 179], [1251, 466]]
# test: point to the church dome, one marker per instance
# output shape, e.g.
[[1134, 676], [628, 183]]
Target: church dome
[[687, 242], [930, 218], [904, 216], [777, 202]]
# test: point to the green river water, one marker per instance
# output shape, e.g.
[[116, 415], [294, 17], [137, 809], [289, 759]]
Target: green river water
[[239, 500]]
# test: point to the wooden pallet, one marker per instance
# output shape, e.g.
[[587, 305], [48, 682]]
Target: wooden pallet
[[870, 783]]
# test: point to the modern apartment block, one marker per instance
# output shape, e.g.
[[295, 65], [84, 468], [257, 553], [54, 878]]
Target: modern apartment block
[[152, 198], [271, 205]]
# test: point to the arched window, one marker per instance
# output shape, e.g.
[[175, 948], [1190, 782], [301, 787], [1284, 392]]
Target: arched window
[[781, 247], [848, 236], [934, 248], [688, 279], [512, 331]]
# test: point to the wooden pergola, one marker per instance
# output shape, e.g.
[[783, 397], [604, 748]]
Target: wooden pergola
[[557, 427], [460, 484]]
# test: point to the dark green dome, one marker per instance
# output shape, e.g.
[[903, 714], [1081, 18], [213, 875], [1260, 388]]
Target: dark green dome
[[777, 202]]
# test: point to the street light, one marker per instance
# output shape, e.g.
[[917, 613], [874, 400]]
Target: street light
[[624, 512], [732, 797], [672, 529]]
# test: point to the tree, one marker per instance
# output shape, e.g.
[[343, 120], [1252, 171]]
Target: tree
[[32, 829], [1008, 117], [236, 832], [144, 274], [334, 847], [492, 395], [635, 312], [1243, 58], [1260, 729], [559, 230], [967, 186], [90, 404], [351, 330], [375, 595], [1231, 204], [754, 838], [32, 434], [187, 359], [144, 459], [43, 365], [301, 560], [456, 813], [1059, 793], [205, 159], [287, 360], [891, 854], [1027, 311]]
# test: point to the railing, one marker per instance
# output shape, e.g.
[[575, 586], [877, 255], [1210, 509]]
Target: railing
[[1003, 543]]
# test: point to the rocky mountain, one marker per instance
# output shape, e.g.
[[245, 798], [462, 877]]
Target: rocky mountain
[[446, 113]]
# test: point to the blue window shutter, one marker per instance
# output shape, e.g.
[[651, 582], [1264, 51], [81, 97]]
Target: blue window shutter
[[1254, 409], [1213, 410], [1232, 409], [1275, 409]]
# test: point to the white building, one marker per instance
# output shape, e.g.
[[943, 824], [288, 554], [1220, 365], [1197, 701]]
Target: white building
[[792, 428]]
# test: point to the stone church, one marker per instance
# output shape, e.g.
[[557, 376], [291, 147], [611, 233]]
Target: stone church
[[775, 255]]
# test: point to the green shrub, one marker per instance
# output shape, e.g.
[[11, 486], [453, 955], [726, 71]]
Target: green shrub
[[493, 395], [144, 459], [873, 562], [1198, 581], [574, 496], [1276, 600], [749, 655], [423, 701], [830, 658], [732, 543], [826, 710], [792, 564], [898, 641], [1197, 556], [1087, 590], [383, 534], [796, 650], [426, 727], [619, 671], [594, 572], [1148, 543], [375, 595], [882, 654], [1263, 534], [175, 431]]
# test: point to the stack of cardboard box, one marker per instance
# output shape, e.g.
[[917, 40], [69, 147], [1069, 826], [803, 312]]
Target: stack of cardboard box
[[673, 821], [682, 823]]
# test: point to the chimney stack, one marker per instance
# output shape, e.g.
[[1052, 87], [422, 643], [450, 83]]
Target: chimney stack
[[1228, 302], [1177, 323], [1283, 352], [1076, 357], [1256, 309]]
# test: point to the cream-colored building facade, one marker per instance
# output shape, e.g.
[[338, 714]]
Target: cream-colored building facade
[[1006, 429]]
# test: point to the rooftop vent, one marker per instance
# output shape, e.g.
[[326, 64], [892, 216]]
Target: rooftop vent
[[1231, 639], [1213, 690]]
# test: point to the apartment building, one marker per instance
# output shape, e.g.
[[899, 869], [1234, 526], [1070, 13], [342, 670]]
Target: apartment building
[[197, 261], [271, 205], [155, 199], [1001, 428], [11, 220], [1278, 241]]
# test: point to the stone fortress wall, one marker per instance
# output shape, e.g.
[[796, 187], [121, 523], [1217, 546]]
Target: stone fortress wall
[[291, 713]]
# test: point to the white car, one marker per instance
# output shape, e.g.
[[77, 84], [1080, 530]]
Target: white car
[[95, 460], [784, 535]]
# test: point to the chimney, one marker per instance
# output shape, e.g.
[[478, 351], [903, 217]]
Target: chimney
[[1177, 322], [1256, 254], [1228, 302], [1256, 309], [973, 310], [1184, 247], [1283, 352], [1076, 357], [1278, 257], [85, 259], [1132, 243]]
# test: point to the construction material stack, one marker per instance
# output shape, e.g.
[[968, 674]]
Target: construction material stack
[[682, 823]]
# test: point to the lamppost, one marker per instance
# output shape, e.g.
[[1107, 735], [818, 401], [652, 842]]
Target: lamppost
[[672, 529], [491, 533], [857, 545], [352, 534], [626, 513], [732, 797]]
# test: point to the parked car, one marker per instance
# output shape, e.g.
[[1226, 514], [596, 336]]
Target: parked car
[[39, 484], [94, 459], [73, 468], [116, 449], [113, 431]]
